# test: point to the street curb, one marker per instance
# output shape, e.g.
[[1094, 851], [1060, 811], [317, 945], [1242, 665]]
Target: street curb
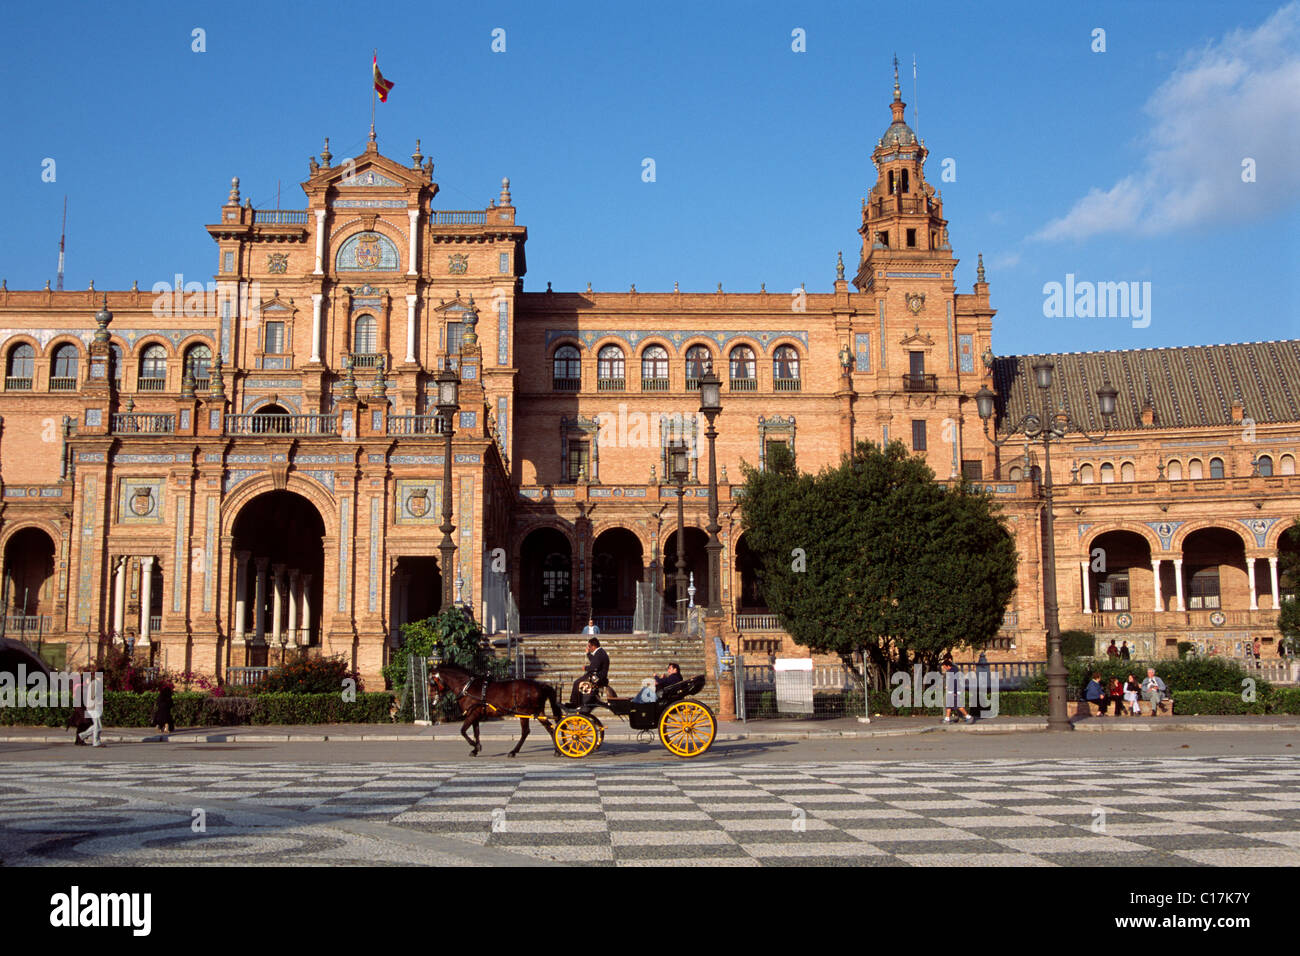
[[1086, 726]]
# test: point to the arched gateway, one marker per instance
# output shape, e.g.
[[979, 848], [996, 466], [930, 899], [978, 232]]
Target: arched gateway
[[279, 563]]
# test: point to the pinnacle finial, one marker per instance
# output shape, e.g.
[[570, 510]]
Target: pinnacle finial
[[505, 190], [417, 157], [325, 154], [898, 94], [839, 265], [979, 271], [233, 198]]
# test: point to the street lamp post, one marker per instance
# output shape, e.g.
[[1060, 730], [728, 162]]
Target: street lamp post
[[711, 405], [448, 394], [1049, 427], [677, 455]]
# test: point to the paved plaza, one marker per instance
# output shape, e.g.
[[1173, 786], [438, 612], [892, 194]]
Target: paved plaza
[[1190, 810]]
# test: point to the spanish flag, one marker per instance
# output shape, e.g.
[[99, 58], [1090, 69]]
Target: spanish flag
[[382, 86]]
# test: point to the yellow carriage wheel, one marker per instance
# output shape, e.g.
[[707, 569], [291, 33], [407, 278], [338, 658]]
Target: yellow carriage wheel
[[575, 736], [687, 728]]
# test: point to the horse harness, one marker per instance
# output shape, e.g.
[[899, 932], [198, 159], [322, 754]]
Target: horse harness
[[480, 698]]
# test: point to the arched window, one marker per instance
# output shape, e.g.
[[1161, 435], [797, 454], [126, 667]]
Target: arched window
[[153, 369], [1194, 470], [785, 369], [1086, 476], [566, 369], [363, 337], [1127, 472], [198, 362], [698, 361], [1107, 473], [1175, 471], [1216, 467], [744, 369], [1288, 465], [1016, 474], [1265, 466], [654, 369], [21, 368], [271, 419], [63, 371], [1203, 589], [611, 369]]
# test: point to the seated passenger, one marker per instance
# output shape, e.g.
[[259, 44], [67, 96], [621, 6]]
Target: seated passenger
[[651, 686]]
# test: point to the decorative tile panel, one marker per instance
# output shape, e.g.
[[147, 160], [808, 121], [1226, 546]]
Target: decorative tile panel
[[140, 500], [419, 501], [764, 337]]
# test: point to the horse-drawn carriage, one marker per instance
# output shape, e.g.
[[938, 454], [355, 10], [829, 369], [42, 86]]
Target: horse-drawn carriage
[[685, 727]]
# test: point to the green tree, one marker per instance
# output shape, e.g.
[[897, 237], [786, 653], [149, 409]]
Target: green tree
[[456, 636], [1288, 619], [876, 556]]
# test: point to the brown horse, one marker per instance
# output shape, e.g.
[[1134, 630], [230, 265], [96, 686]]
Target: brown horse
[[480, 697]]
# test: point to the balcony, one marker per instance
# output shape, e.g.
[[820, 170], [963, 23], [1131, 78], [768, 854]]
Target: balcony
[[693, 383], [744, 385], [61, 383], [920, 383], [415, 425], [366, 359], [610, 384], [155, 623], [142, 423], [786, 384], [654, 384], [15, 383], [757, 622], [566, 384], [257, 424], [151, 385]]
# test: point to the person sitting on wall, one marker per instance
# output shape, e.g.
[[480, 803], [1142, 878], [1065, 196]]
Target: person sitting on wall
[[1155, 691], [1095, 694], [1115, 693], [1132, 694], [652, 687]]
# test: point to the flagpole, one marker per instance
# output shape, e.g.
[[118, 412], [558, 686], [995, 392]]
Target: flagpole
[[372, 96]]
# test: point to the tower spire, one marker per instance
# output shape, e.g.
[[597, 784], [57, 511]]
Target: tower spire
[[898, 94]]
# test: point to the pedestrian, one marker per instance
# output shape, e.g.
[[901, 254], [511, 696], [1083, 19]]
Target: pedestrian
[[983, 686], [591, 627], [1112, 651], [93, 695], [162, 710], [952, 694], [1124, 653]]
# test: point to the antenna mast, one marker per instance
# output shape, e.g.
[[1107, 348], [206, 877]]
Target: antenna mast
[[916, 101], [63, 233]]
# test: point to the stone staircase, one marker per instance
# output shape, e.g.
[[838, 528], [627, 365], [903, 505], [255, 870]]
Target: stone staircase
[[560, 658]]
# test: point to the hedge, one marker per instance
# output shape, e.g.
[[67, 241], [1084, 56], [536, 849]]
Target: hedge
[[193, 709], [1180, 676]]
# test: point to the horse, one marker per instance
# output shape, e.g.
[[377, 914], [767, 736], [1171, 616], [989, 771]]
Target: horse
[[479, 697]]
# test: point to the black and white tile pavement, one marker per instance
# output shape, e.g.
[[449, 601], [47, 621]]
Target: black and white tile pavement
[[1141, 811]]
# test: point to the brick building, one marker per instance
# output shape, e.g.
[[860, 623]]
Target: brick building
[[220, 471]]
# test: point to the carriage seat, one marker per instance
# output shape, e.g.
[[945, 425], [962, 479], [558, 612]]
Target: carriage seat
[[687, 687]]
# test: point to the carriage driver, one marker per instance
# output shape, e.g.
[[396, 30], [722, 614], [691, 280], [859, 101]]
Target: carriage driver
[[597, 673]]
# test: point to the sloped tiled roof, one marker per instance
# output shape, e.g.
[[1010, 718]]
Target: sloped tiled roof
[[1188, 387]]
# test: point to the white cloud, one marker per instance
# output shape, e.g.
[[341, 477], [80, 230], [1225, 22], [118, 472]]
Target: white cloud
[[1236, 98]]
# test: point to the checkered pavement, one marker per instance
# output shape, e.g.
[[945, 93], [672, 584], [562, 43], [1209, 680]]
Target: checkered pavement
[[1141, 811]]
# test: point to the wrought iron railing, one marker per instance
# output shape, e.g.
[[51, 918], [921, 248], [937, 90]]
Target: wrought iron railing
[[282, 217], [151, 385], [545, 623], [276, 424], [920, 383], [142, 423], [459, 218], [786, 384], [610, 384], [614, 623], [566, 384], [654, 384], [744, 385]]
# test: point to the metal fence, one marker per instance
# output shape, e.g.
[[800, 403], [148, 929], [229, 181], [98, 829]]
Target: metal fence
[[650, 611]]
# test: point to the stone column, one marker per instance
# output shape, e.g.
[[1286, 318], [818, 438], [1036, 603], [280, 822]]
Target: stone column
[[241, 595], [1087, 590], [259, 603], [1155, 575], [146, 597], [1250, 571], [277, 602], [414, 215], [305, 637], [1272, 574], [119, 598], [293, 606], [410, 327], [1178, 583], [320, 242], [316, 300]]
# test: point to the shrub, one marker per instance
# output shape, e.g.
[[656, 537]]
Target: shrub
[[1078, 644], [1193, 673], [1210, 702], [309, 675], [190, 709]]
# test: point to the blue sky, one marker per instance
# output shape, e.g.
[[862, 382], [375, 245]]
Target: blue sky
[[1123, 165]]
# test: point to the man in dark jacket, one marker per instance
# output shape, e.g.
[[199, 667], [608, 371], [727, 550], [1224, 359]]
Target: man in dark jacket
[[596, 674]]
